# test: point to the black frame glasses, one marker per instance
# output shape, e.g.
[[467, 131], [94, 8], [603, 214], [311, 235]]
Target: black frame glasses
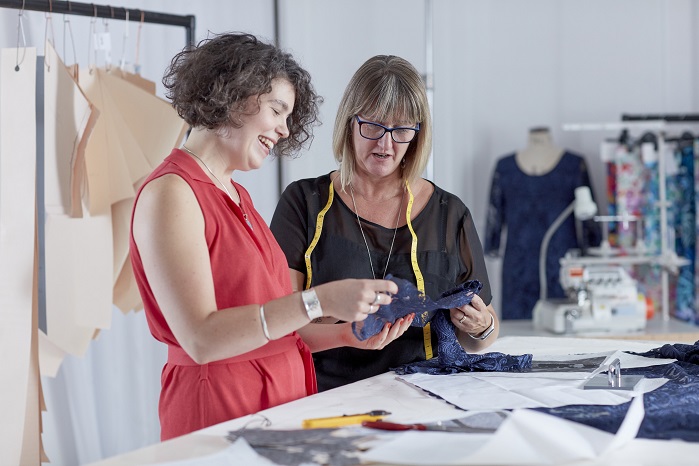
[[405, 129]]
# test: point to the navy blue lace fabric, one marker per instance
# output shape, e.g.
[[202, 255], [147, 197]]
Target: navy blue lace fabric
[[452, 357], [408, 300], [679, 351], [671, 411]]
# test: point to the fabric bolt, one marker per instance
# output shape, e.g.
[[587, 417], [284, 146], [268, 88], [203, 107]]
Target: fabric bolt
[[630, 185], [696, 230], [611, 199], [648, 275], [682, 205], [516, 206], [196, 396], [448, 253]]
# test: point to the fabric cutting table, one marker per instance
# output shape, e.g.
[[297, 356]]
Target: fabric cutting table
[[409, 404]]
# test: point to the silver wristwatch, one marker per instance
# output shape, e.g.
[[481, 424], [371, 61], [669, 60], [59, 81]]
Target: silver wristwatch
[[311, 303], [486, 333]]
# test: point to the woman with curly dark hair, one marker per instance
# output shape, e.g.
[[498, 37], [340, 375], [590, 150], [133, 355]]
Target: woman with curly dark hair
[[214, 282]]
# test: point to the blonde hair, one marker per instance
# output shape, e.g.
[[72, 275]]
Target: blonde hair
[[385, 88]]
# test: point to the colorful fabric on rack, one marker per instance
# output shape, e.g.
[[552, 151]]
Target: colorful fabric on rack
[[648, 276], [629, 193], [611, 201], [682, 207], [696, 229]]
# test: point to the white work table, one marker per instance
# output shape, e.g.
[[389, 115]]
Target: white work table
[[408, 404]]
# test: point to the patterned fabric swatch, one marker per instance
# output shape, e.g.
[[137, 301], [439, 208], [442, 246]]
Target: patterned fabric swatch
[[452, 357], [671, 411], [408, 300]]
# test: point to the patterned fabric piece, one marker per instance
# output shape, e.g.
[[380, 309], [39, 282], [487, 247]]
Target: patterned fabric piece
[[649, 275], [629, 193], [680, 351], [453, 358], [684, 213], [409, 299], [671, 411]]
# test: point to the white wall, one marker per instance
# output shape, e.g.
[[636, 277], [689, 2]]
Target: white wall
[[500, 67]]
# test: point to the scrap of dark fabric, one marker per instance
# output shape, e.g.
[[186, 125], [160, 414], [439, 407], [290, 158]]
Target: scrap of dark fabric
[[408, 300], [680, 351], [302, 447], [451, 357], [671, 411]]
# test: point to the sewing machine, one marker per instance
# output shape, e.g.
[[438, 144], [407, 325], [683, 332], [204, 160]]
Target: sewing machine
[[603, 298]]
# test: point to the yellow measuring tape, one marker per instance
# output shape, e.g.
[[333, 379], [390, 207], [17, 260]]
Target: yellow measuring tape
[[420, 281], [316, 236]]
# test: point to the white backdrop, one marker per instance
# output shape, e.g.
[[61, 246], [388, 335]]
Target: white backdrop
[[500, 67]]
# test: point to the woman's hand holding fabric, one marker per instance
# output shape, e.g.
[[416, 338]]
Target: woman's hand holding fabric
[[388, 333], [472, 318], [352, 300]]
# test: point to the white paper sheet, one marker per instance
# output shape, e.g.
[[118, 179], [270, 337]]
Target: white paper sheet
[[526, 438], [17, 228], [504, 390], [78, 280]]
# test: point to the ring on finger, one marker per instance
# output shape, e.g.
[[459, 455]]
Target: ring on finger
[[377, 298], [461, 321]]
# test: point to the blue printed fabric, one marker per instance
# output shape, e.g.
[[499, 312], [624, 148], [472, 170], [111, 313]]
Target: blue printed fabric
[[671, 411], [680, 351], [408, 300], [452, 357]]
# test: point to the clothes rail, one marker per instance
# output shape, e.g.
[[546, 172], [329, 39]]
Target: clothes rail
[[658, 124], [97, 11], [105, 11], [667, 117]]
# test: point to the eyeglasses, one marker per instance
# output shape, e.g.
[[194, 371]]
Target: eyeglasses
[[400, 134]]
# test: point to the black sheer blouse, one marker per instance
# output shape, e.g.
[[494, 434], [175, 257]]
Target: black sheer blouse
[[449, 252]]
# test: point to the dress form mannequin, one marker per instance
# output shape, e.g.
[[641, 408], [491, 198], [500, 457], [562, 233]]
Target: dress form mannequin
[[529, 189], [541, 155]]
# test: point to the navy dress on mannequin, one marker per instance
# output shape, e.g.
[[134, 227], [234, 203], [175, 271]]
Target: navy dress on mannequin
[[524, 204]]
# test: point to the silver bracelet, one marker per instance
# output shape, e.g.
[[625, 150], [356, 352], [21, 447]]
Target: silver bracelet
[[486, 333], [265, 330], [312, 304]]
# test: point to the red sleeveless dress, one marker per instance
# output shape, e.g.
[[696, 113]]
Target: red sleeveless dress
[[248, 267]]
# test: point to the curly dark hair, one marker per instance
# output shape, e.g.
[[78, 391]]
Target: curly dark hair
[[209, 86]]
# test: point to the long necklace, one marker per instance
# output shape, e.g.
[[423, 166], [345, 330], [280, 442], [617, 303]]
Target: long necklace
[[395, 230], [240, 204]]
